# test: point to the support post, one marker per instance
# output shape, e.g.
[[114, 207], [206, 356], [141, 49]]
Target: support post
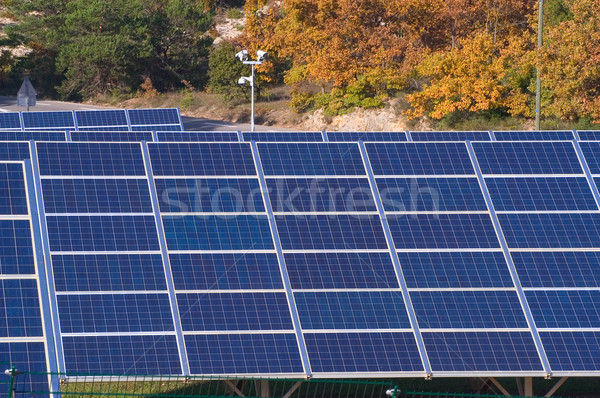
[[556, 387], [538, 82], [252, 101], [528, 386], [499, 386]]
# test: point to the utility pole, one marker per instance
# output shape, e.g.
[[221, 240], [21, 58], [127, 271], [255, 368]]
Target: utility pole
[[538, 82]]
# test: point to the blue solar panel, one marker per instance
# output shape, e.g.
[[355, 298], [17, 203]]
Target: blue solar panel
[[591, 151], [551, 230], [320, 194], [16, 248], [348, 136], [431, 194], [28, 357], [157, 127], [102, 233], [198, 136], [10, 120], [481, 351], [127, 355], [32, 135], [99, 118], [341, 270], [209, 195], [468, 309], [541, 193], [241, 232], [330, 232], [447, 231], [224, 271], [589, 135], [106, 129], [420, 159], [558, 269], [565, 308], [292, 136], [572, 350], [110, 313], [352, 310], [45, 120], [90, 159], [450, 135], [20, 308], [243, 354], [201, 159], [311, 159], [111, 136], [363, 352], [534, 135], [108, 272], [13, 198], [234, 311], [527, 158], [96, 196], [14, 151], [153, 116], [455, 270]]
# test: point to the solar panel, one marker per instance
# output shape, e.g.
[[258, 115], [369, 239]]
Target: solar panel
[[153, 116], [296, 259], [589, 135], [114, 136], [551, 135], [278, 136], [157, 127], [32, 135], [348, 136], [48, 120], [101, 118], [197, 136], [108, 128], [10, 121], [450, 135]]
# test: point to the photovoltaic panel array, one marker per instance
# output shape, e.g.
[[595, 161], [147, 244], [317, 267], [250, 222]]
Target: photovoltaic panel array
[[328, 259]]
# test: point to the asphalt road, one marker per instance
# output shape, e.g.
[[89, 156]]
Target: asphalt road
[[9, 104]]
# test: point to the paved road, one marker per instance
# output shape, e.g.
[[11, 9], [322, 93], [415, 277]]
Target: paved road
[[9, 104]]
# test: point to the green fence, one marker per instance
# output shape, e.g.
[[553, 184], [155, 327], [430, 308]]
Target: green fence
[[16, 384]]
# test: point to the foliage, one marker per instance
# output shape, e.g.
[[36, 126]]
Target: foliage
[[570, 64], [225, 71], [102, 47]]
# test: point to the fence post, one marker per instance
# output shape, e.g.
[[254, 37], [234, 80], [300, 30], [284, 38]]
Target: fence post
[[12, 372]]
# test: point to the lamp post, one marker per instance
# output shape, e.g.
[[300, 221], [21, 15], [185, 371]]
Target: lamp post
[[260, 57], [538, 82]]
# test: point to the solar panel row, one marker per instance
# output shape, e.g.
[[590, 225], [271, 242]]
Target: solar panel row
[[328, 259]]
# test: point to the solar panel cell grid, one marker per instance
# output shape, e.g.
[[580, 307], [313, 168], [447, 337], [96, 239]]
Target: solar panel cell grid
[[224, 271], [241, 232], [320, 195], [32, 135], [450, 135], [292, 136], [438, 231], [96, 196], [541, 194], [311, 159], [591, 152], [558, 269], [201, 159], [157, 127], [113, 117], [348, 136], [431, 194], [468, 309], [197, 136], [234, 311], [111, 136], [341, 270], [16, 247], [108, 272], [48, 120], [90, 159], [322, 232], [363, 352], [14, 151], [419, 159], [13, 197], [534, 135], [527, 158], [10, 120], [111, 313], [572, 350], [20, 308], [455, 270], [102, 233], [565, 309], [153, 116], [352, 310], [209, 195]]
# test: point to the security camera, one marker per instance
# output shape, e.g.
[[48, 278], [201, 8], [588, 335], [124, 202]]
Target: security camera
[[241, 81], [242, 55], [261, 55]]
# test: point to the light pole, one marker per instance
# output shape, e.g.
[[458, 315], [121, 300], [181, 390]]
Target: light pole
[[260, 57], [538, 82]]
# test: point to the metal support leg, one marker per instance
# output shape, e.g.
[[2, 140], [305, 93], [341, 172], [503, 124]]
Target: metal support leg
[[528, 386], [499, 386], [556, 387]]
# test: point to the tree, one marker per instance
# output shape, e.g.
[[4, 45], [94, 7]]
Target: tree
[[225, 70]]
